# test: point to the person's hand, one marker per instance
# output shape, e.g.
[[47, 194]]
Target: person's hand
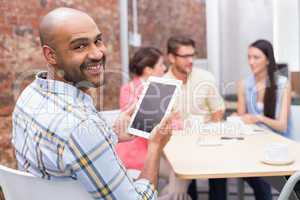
[[177, 120], [249, 119], [161, 134], [121, 124]]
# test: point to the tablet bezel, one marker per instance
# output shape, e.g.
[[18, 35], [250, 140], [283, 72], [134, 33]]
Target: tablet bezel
[[166, 81]]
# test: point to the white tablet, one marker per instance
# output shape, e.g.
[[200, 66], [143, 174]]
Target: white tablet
[[155, 102]]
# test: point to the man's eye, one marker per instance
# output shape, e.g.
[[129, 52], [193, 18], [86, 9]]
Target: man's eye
[[98, 41], [82, 46]]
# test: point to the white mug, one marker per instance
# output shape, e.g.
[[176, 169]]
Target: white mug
[[276, 152]]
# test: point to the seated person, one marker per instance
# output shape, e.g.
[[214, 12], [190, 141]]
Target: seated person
[[199, 94], [147, 61], [57, 132], [264, 99]]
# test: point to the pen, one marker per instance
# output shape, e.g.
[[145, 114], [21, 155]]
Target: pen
[[232, 138], [258, 130]]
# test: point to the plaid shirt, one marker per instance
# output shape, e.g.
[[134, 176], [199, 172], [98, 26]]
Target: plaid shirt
[[58, 134]]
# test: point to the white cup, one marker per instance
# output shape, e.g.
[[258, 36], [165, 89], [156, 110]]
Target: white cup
[[276, 152]]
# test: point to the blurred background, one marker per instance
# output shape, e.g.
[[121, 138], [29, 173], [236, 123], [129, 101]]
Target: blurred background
[[222, 29]]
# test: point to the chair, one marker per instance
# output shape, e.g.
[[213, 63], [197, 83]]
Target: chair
[[289, 186], [17, 185], [110, 115]]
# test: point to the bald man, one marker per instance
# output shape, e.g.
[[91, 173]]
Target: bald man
[[58, 133]]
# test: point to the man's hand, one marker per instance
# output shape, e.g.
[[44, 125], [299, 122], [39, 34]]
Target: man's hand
[[159, 137], [161, 134], [121, 124]]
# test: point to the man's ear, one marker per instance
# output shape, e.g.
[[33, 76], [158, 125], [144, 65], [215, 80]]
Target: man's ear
[[49, 54], [171, 58]]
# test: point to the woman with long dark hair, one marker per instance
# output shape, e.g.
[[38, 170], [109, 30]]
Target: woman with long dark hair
[[264, 99]]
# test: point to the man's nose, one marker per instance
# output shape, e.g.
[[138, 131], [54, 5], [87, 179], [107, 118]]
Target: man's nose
[[190, 59], [97, 52]]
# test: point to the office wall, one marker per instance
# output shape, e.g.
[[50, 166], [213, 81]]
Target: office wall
[[287, 33], [158, 20], [241, 22], [232, 25]]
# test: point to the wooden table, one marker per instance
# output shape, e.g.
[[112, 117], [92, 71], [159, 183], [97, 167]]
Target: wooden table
[[234, 158]]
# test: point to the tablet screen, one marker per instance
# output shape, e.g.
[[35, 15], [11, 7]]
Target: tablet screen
[[153, 106]]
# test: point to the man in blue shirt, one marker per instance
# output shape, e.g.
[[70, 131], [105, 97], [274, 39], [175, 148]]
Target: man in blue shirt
[[58, 133]]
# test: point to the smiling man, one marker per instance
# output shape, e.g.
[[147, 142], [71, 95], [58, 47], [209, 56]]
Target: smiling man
[[67, 48], [58, 133]]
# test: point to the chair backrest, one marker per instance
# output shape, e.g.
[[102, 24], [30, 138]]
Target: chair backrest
[[289, 187], [110, 115], [17, 185]]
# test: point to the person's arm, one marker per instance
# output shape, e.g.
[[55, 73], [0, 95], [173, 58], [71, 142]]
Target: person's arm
[[121, 124], [157, 141], [215, 102], [217, 116], [151, 167], [281, 123], [90, 157], [241, 105], [241, 101]]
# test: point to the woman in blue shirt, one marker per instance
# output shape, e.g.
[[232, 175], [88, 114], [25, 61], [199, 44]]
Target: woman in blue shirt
[[264, 99]]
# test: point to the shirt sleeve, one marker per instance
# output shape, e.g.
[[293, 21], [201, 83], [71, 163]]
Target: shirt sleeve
[[90, 157], [214, 99]]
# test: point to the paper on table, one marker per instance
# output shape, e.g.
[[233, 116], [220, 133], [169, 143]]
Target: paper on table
[[235, 119], [233, 126], [247, 129]]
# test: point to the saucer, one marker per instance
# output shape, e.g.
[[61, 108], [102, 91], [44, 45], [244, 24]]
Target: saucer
[[287, 161]]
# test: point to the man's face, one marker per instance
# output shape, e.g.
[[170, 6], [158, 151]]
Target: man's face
[[182, 61], [80, 53]]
